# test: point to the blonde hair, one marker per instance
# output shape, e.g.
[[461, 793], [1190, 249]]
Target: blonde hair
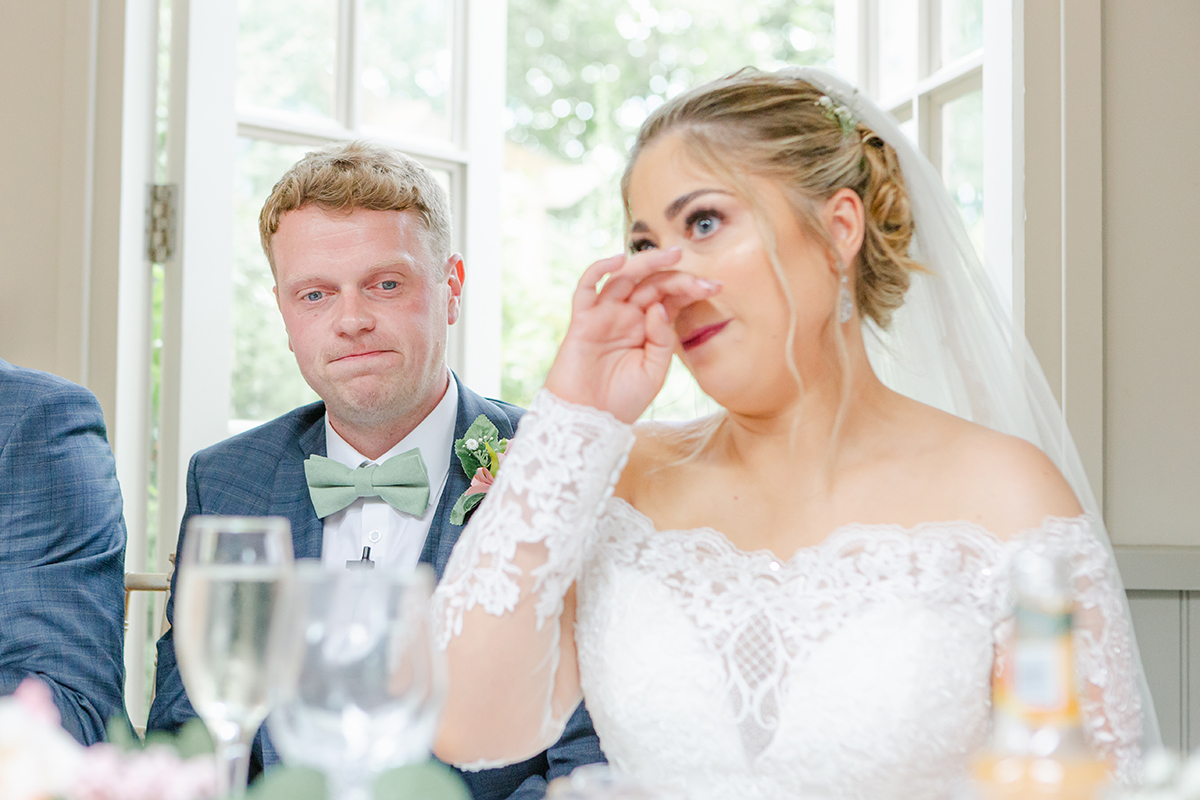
[[773, 126], [359, 174]]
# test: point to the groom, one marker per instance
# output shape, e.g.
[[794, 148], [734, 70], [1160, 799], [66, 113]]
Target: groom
[[358, 238]]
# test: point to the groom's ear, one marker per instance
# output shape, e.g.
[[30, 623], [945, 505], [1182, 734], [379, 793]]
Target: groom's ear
[[455, 276]]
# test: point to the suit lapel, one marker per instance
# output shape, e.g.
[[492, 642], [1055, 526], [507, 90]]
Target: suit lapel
[[289, 497], [442, 534]]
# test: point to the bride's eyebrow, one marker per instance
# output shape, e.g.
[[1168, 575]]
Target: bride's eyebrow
[[676, 206]]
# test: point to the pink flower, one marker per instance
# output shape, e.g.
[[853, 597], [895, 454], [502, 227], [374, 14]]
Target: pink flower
[[37, 699], [483, 478], [481, 482]]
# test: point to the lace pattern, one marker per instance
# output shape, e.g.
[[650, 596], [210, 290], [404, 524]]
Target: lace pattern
[[774, 625], [1105, 668], [763, 615], [558, 473]]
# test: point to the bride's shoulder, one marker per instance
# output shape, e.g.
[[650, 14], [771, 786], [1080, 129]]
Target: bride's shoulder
[[1003, 482]]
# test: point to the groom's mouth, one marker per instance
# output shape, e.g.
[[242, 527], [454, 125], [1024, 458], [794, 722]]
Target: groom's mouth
[[366, 355], [701, 335]]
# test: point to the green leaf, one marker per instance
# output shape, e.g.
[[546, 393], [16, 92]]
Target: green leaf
[[429, 781], [190, 740], [465, 505], [482, 430], [289, 783]]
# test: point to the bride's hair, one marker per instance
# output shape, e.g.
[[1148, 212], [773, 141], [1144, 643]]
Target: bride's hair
[[775, 126]]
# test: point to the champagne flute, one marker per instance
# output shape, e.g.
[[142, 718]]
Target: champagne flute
[[234, 578], [371, 684]]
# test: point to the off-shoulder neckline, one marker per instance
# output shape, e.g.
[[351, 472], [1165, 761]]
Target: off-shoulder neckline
[[839, 534]]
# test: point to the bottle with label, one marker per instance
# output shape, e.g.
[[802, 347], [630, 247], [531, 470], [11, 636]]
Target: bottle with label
[[1038, 749]]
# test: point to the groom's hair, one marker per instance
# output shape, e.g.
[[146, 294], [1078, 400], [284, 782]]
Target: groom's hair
[[360, 174]]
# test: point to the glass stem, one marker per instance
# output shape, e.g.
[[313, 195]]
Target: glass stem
[[233, 769]]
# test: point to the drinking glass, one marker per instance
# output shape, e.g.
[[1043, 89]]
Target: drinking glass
[[233, 648], [371, 683]]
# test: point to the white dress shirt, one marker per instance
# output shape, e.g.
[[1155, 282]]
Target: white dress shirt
[[395, 538]]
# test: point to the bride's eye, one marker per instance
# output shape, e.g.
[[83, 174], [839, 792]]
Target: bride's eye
[[703, 222], [638, 245]]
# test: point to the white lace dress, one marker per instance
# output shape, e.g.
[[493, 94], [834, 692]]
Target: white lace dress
[[860, 667]]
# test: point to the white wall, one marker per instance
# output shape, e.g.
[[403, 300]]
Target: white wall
[[1151, 89], [60, 162], [1152, 270]]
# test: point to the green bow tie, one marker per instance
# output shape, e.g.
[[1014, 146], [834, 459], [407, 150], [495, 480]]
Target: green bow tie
[[402, 482]]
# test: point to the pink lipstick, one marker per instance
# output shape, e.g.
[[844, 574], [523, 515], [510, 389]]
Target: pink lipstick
[[702, 335]]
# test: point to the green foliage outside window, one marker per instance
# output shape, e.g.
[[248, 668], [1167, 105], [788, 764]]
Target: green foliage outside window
[[582, 76]]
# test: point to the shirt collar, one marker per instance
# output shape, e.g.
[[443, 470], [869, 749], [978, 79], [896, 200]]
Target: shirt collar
[[434, 437]]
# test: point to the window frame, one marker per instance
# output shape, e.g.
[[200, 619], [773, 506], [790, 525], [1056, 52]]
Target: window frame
[[938, 84]]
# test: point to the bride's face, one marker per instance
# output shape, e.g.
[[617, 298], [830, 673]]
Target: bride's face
[[735, 343]]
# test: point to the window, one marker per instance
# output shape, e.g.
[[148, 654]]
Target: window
[[313, 72], [418, 76], [923, 61], [582, 77]]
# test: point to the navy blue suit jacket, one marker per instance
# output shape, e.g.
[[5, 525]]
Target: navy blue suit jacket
[[261, 472], [62, 550]]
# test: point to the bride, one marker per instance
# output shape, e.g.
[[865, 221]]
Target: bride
[[804, 592]]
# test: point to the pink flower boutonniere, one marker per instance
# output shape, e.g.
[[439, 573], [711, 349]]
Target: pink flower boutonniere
[[480, 451]]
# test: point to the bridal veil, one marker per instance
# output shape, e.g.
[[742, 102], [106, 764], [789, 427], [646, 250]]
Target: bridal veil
[[953, 346]]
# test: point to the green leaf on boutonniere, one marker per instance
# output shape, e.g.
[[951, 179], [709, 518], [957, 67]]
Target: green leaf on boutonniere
[[478, 445], [428, 781], [465, 505]]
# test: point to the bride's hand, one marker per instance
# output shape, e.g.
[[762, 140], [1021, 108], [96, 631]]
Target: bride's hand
[[619, 343]]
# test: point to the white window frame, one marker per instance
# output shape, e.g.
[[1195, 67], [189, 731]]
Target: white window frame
[[937, 84]]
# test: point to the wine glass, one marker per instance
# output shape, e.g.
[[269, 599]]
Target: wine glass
[[371, 684], [233, 650]]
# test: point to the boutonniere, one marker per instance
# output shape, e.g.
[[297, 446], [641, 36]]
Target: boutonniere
[[480, 451]]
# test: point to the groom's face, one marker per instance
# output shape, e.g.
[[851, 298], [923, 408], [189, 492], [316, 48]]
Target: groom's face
[[366, 306]]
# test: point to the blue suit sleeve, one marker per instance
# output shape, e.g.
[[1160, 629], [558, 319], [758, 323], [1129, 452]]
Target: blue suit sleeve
[[578, 746], [62, 551], [171, 707]]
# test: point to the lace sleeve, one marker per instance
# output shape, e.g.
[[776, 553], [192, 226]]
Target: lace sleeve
[[511, 573], [1110, 698]]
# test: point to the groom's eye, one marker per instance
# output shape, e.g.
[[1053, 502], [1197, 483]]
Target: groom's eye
[[388, 285], [313, 296]]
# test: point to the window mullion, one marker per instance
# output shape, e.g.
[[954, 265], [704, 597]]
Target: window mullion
[[347, 59], [926, 38]]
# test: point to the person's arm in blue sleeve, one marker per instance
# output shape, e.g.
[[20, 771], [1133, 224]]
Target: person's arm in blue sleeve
[[578, 746], [171, 707], [62, 553]]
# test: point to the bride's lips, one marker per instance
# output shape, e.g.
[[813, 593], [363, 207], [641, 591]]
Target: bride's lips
[[702, 335]]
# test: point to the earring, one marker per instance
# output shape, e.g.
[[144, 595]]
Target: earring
[[845, 301]]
